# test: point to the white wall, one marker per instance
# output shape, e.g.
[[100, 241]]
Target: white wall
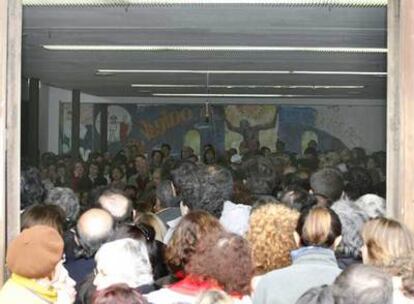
[[355, 122]]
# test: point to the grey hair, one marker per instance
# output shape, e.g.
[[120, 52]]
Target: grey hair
[[317, 295], [372, 204], [123, 261], [66, 199], [363, 284]]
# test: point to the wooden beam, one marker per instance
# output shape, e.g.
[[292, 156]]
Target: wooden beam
[[75, 124], [33, 147], [104, 128], [400, 107]]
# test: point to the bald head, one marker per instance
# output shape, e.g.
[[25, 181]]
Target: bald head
[[117, 204], [94, 228]]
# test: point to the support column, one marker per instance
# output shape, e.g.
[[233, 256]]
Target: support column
[[33, 147], [10, 78], [104, 128], [400, 111], [75, 124]]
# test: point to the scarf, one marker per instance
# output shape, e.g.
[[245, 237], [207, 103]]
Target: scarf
[[48, 294]]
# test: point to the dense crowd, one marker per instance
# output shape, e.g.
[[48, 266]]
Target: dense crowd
[[249, 226]]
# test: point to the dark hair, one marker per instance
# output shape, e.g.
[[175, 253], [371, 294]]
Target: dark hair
[[259, 174], [318, 226], [208, 150], [49, 215], [166, 146], [328, 182], [165, 195], [297, 198], [118, 293], [31, 188], [358, 182], [188, 182], [146, 234], [226, 258]]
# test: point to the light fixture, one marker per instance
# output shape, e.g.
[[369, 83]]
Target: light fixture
[[119, 71], [212, 48], [317, 3], [249, 86], [226, 95]]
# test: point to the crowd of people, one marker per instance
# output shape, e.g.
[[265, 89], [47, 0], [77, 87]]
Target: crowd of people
[[249, 226]]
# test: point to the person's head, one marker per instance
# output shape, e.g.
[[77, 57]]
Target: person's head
[[216, 188], [117, 204], [385, 240], [319, 227], [94, 227], [362, 284], [47, 215], [131, 192], [66, 199], [93, 169], [191, 229], [122, 261], [186, 152], [141, 164], [117, 174], [156, 176], [271, 236], [209, 156], [166, 196], [78, 169], [259, 174], [35, 252], [244, 123], [226, 259], [187, 180], [297, 198], [265, 151], [317, 295], [156, 157], [166, 150], [118, 293], [328, 182], [358, 183], [372, 205], [31, 188], [154, 221]]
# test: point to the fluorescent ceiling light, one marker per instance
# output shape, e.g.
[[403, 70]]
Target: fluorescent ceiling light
[[226, 95], [192, 48], [118, 71], [249, 86], [347, 3]]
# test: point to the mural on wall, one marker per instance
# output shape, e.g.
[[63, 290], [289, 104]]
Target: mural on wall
[[148, 126]]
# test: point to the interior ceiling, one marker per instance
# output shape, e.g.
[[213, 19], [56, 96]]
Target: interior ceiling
[[207, 25]]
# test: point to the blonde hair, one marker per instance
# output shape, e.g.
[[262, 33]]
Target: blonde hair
[[386, 240], [154, 221], [271, 236], [319, 226]]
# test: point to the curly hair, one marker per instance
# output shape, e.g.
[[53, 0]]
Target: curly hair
[[271, 236], [192, 228], [225, 258], [66, 199]]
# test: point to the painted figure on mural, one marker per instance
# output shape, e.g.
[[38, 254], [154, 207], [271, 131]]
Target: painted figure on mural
[[250, 133]]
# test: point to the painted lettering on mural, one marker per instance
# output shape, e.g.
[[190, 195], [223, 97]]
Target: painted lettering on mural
[[166, 121]]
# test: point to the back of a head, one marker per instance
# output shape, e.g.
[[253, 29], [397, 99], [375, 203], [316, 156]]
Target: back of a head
[[66, 199], [318, 226], [217, 187], [31, 188], [123, 261], [328, 182], [48, 215], [385, 240], [362, 284], [214, 297], [120, 294], [372, 205], [165, 194], [270, 235], [191, 229], [225, 258], [117, 204], [358, 183], [298, 198], [94, 228], [155, 222]]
